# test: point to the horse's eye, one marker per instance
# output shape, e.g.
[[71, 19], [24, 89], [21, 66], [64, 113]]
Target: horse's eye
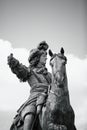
[[63, 62]]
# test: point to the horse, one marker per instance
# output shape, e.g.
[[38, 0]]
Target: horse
[[57, 113]]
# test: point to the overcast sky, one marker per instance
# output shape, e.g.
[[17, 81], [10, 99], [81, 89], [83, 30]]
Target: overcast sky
[[25, 23], [60, 22]]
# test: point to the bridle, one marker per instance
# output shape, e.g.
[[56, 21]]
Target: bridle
[[51, 91]]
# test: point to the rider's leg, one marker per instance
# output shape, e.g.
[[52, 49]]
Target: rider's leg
[[28, 122], [39, 108]]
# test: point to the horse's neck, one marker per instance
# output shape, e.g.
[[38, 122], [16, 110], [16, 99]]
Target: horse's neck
[[65, 84], [61, 92]]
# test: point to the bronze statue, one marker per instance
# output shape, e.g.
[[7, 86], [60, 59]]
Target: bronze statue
[[38, 78], [48, 106]]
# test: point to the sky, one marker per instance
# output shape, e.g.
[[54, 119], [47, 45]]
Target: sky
[[24, 24], [62, 22]]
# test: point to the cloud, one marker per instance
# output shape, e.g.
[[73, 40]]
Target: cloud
[[76, 71], [13, 93]]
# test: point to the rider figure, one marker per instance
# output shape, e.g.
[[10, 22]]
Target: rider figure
[[39, 80]]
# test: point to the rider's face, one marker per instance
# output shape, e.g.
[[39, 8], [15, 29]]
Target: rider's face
[[43, 58]]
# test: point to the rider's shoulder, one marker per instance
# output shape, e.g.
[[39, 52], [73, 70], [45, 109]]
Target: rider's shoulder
[[32, 70]]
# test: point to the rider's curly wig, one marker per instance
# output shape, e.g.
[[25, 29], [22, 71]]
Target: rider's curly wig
[[35, 54], [34, 60]]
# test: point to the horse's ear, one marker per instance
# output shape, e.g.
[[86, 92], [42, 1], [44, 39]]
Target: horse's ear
[[50, 53], [62, 51]]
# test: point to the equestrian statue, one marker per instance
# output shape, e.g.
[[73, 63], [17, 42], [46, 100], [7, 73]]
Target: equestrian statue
[[48, 106]]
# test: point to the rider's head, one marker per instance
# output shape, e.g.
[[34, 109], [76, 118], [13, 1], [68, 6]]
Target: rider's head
[[38, 55]]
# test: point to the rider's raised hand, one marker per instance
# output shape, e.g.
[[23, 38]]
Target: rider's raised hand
[[9, 58], [12, 62]]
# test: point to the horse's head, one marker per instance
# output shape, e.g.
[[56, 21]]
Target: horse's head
[[58, 65]]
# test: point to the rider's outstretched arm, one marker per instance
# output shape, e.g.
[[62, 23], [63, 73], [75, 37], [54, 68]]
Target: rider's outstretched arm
[[21, 71]]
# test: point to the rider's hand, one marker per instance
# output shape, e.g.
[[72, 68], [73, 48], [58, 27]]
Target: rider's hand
[[9, 58], [12, 62]]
